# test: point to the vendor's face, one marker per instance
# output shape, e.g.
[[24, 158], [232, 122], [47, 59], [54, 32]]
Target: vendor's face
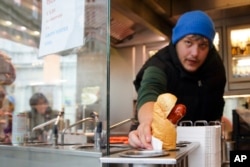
[[192, 50]]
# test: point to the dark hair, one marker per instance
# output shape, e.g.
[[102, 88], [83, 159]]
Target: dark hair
[[36, 97]]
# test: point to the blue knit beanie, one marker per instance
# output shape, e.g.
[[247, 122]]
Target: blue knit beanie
[[194, 22]]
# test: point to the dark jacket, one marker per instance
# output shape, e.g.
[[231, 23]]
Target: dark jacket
[[36, 119], [201, 92]]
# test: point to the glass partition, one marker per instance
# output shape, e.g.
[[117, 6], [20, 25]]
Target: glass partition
[[74, 80]]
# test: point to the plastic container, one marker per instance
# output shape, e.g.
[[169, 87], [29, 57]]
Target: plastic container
[[19, 128]]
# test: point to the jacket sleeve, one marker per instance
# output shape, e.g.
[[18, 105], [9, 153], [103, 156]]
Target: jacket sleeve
[[153, 83]]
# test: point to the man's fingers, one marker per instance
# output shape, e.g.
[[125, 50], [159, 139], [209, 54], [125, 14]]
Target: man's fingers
[[134, 139], [144, 134]]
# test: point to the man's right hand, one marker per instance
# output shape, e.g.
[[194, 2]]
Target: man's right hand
[[141, 138]]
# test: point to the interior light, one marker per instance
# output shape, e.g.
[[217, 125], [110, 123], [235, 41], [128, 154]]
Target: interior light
[[8, 23], [36, 33], [23, 28], [34, 8], [236, 96], [239, 38], [245, 62], [18, 2], [18, 37]]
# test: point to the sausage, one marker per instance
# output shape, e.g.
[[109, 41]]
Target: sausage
[[177, 113]]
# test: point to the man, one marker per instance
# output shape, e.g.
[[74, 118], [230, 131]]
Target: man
[[190, 68]]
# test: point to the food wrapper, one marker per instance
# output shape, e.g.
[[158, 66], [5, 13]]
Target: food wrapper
[[156, 143]]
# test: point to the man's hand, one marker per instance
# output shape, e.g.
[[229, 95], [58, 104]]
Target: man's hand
[[141, 138]]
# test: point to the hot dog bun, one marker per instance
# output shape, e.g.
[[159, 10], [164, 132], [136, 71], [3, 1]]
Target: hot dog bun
[[166, 103], [162, 128]]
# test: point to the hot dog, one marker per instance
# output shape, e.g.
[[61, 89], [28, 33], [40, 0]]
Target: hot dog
[[177, 113], [166, 115]]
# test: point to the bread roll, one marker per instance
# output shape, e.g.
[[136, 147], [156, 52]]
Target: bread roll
[[162, 128], [166, 102]]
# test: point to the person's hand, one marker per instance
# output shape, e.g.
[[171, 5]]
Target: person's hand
[[141, 138]]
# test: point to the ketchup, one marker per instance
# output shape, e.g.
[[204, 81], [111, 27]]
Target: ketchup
[[177, 113]]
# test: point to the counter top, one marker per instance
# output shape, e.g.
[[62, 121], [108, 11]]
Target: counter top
[[66, 156], [73, 149], [47, 155], [172, 158], [50, 149]]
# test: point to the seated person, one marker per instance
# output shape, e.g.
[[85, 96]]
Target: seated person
[[40, 113]]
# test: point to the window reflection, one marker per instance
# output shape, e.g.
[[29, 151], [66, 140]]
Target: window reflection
[[63, 76]]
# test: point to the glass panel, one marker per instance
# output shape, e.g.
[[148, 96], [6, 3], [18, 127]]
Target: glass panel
[[74, 80]]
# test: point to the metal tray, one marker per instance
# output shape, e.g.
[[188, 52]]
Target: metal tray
[[143, 154]]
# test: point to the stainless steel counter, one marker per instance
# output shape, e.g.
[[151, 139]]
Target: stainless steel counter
[[42, 154], [178, 158], [45, 155], [65, 156]]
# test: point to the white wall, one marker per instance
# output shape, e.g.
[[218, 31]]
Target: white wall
[[121, 88], [124, 65]]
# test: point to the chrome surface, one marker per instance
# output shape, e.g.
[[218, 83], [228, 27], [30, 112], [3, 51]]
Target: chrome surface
[[121, 123], [44, 124], [55, 128], [143, 154], [114, 148], [78, 122], [94, 116], [44, 155], [174, 157]]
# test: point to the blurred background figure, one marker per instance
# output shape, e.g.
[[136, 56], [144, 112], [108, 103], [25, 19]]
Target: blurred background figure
[[8, 109], [2, 112], [7, 70], [7, 105], [7, 77], [40, 112]]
